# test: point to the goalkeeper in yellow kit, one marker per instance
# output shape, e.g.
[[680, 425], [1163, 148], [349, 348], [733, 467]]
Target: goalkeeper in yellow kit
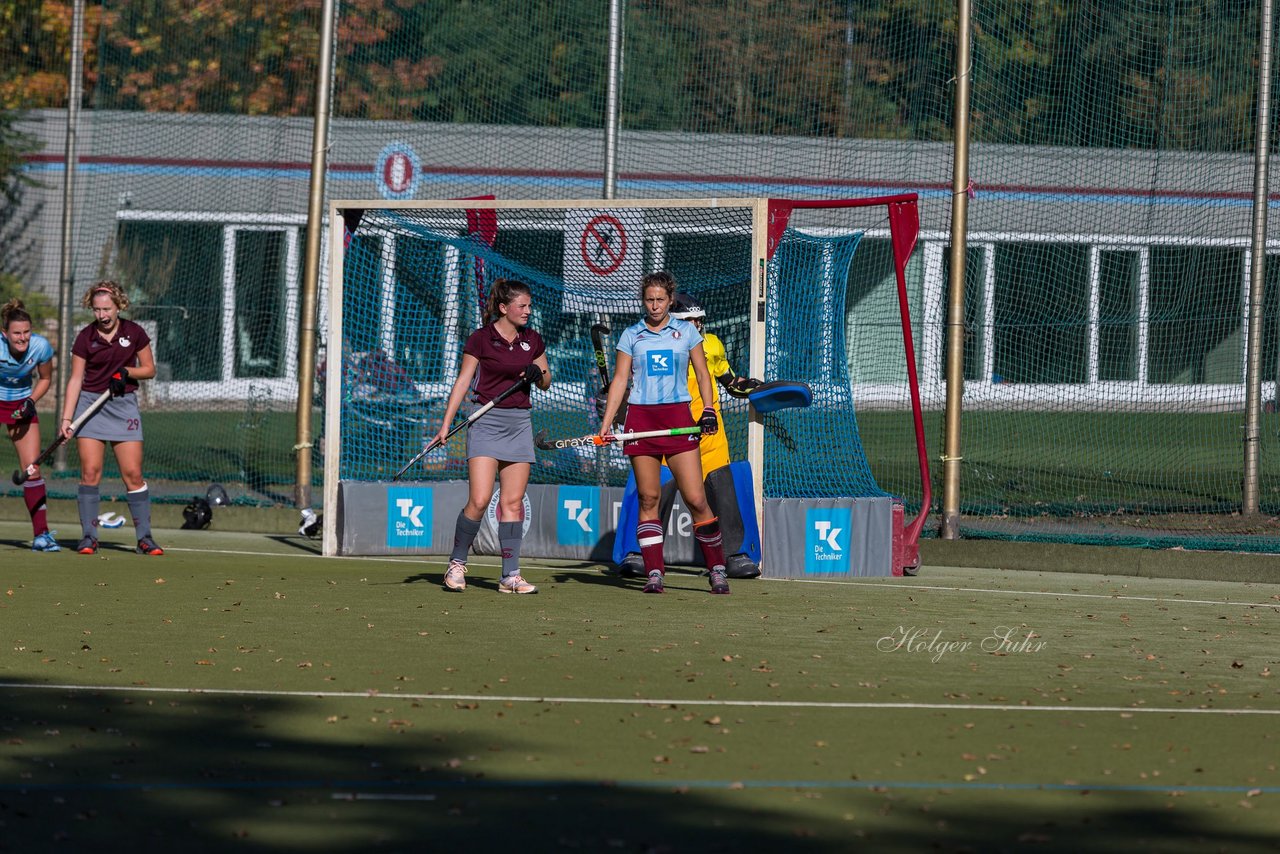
[[714, 448]]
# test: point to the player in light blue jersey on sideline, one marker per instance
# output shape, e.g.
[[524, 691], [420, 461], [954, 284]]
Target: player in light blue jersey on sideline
[[25, 375], [655, 355]]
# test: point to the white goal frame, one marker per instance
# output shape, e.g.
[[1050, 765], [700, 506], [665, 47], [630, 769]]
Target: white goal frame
[[768, 219]]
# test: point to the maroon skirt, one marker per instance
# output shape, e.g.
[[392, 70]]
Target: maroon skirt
[[659, 416], [7, 410]]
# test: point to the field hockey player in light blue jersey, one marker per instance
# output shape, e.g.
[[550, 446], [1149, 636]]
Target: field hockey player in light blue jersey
[[655, 355], [25, 369]]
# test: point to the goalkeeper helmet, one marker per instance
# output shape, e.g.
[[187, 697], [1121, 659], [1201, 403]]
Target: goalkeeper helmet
[[687, 308]]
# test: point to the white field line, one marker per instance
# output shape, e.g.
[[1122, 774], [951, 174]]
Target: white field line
[[635, 701], [888, 583]]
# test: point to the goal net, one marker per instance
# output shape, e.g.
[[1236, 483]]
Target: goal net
[[784, 290]]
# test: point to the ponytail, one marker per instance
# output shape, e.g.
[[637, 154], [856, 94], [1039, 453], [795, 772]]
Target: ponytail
[[13, 310], [502, 292]]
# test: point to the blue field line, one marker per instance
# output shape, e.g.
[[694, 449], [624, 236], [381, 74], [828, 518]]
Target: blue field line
[[358, 787]]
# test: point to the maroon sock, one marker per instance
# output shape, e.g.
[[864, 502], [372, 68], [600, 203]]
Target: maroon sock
[[649, 535], [709, 540], [33, 493]]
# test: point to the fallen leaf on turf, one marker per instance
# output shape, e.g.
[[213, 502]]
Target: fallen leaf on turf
[[1236, 665], [159, 581], [203, 661]]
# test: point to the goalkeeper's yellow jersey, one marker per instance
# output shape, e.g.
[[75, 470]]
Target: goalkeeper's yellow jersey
[[714, 449]]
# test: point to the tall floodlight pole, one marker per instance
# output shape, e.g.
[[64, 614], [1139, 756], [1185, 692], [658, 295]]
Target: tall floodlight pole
[[613, 99], [307, 320], [66, 269], [951, 456], [1258, 270]]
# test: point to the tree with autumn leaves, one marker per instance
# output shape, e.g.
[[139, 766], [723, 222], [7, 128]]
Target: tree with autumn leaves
[[1046, 72]]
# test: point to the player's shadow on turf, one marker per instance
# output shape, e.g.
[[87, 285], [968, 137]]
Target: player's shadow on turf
[[69, 546], [609, 577], [437, 579], [297, 541]]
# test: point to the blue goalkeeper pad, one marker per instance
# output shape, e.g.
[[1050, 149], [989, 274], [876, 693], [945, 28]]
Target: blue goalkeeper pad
[[733, 492], [780, 394]]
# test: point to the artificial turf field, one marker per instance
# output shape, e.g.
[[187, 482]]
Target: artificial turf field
[[242, 693]]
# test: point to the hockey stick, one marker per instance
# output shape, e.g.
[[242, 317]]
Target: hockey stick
[[21, 476], [599, 332], [433, 444], [546, 444]]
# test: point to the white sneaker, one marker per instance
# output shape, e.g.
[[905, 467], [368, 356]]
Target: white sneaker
[[455, 577], [515, 584]]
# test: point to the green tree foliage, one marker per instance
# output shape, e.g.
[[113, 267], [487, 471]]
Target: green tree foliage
[[1149, 74], [1175, 74], [537, 62], [17, 241]]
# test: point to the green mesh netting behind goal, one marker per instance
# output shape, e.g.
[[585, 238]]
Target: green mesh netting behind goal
[[414, 281]]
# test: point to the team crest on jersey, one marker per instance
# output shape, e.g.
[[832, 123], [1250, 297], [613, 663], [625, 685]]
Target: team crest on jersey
[[524, 345], [675, 333], [124, 342]]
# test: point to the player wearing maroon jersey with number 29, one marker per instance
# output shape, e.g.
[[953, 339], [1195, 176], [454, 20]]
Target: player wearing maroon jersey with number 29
[[110, 353], [499, 354]]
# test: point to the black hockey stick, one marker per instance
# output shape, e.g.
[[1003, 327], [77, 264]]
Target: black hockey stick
[[546, 444], [433, 444], [21, 476], [599, 334]]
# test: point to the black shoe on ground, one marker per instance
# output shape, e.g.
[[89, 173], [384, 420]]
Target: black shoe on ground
[[741, 566], [632, 566], [88, 546]]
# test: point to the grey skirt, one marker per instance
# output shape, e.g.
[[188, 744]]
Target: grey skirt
[[505, 435], [118, 421]]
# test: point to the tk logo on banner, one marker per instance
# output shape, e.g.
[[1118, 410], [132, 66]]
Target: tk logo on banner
[[409, 517], [579, 516], [826, 539]]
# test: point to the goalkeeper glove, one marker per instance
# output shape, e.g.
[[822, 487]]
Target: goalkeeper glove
[[742, 386], [708, 422], [25, 411], [118, 381]]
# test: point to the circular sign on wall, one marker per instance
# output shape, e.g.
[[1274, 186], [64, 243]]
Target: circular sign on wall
[[491, 515], [397, 172]]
